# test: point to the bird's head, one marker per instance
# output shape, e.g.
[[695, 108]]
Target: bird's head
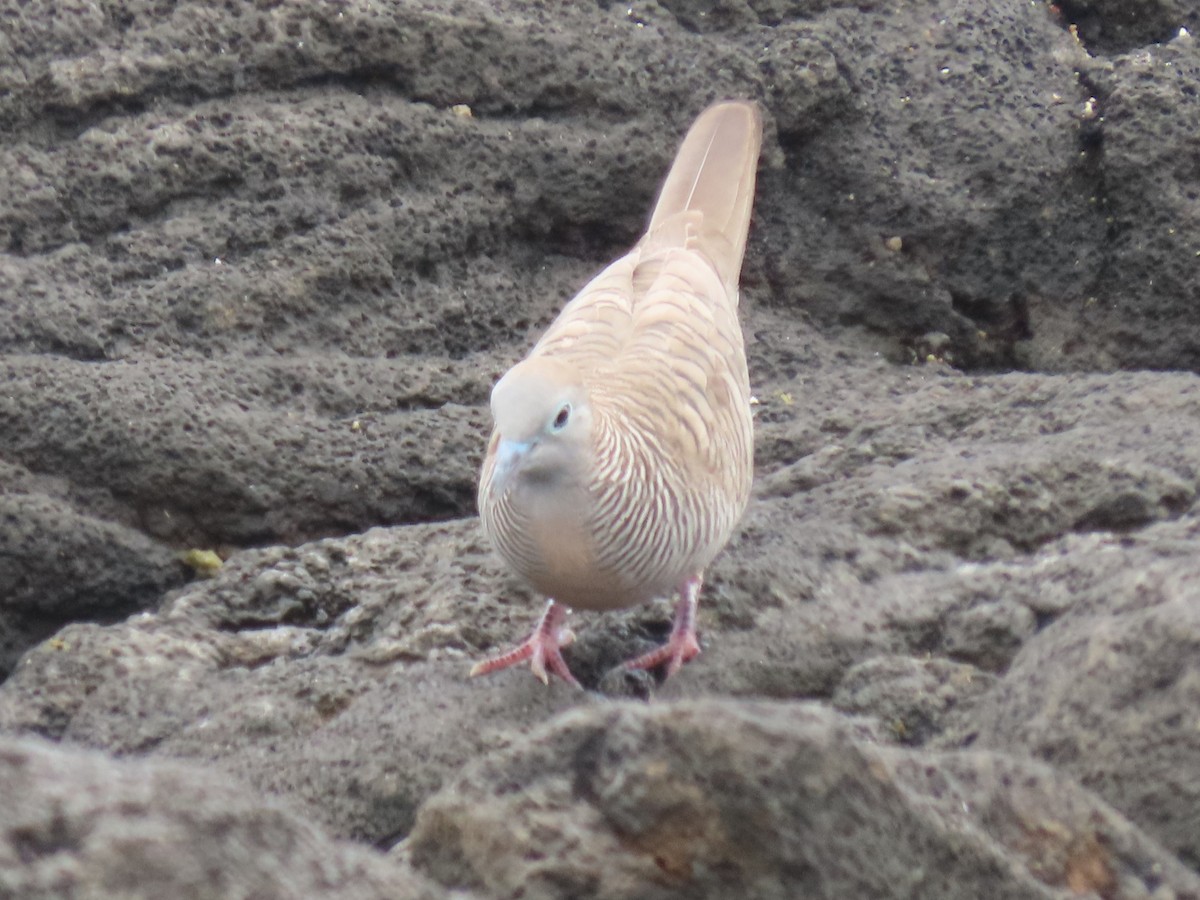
[[543, 426]]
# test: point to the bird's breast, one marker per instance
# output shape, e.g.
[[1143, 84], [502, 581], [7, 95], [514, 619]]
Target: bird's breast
[[646, 518], [548, 538]]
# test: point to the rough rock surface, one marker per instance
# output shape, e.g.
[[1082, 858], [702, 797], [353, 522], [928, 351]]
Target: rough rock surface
[[1109, 691], [717, 799], [259, 266], [59, 563], [79, 824]]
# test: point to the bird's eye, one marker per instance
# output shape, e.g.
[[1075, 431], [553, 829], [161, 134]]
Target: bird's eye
[[560, 420]]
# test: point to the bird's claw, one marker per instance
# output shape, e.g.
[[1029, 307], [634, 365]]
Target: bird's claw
[[675, 652], [542, 649], [546, 653], [682, 645]]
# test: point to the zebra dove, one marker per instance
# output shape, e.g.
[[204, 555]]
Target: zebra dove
[[622, 453]]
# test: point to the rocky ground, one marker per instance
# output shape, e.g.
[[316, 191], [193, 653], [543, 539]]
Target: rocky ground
[[259, 266]]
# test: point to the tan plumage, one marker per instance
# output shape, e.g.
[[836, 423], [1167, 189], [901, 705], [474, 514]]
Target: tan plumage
[[621, 458]]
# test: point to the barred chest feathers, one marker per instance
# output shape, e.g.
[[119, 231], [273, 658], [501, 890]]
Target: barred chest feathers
[[628, 527]]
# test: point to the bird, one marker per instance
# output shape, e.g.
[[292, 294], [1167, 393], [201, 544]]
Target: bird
[[621, 456]]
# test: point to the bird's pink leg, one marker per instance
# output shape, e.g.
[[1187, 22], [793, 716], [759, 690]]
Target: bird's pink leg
[[682, 645], [542, 649]]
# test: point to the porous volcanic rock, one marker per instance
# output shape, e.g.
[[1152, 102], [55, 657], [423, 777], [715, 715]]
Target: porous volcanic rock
[[259, 266]]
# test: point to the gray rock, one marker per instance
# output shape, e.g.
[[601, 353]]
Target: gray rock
[[258, 271], [712, 799], [205, 454], [302, 673], [59, 565], [912, 698], [1139, 104], [80, 824], [1114, 27], [1109, 691]]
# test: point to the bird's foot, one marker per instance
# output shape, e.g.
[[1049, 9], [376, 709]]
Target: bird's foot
[[682, 645], [675, 652], [542, 649]]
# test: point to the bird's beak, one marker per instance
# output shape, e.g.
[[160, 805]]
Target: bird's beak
[[509, 455]]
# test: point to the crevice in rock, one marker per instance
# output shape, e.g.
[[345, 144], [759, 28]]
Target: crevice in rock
[[1113, 27]]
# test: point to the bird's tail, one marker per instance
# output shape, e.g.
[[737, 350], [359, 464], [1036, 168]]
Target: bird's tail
[[711, 182]]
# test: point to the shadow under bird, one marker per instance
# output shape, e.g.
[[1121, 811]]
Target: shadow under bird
[[622, 453]]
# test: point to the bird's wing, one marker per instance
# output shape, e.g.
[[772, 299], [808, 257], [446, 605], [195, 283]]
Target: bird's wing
[[681, 374], [657, 332], [594, 327]]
